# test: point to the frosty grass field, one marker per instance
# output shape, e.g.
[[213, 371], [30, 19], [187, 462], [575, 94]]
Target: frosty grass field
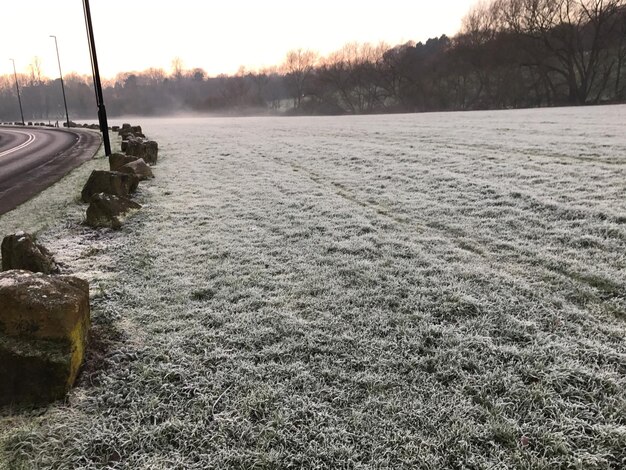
[[416, 291]]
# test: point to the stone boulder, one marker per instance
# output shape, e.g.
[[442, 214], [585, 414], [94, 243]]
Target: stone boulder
[[44, 322], [118, 160], [109, 182], [21, 251], [131, 131], [129, 134], [146, 149], [139, 168], [128, 138], [109, 211]]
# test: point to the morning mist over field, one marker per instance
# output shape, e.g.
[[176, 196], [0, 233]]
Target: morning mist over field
[[496, 54]]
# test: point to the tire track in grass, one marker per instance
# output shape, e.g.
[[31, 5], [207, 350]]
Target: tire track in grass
[[439, 228], [602, 288], [343, 192]]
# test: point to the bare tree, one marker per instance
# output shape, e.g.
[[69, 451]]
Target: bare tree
[[298, 68], [355, 74], [35, 71], [620, 46], [569, 38], [154, 75], [177, 68]]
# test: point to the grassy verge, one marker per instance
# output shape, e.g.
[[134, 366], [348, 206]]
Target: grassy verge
[[52, 215]]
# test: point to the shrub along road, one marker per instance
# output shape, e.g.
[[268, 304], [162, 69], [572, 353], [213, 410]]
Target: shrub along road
[[33, 158]]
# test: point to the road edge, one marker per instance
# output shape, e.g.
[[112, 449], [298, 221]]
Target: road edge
[[84, 149]]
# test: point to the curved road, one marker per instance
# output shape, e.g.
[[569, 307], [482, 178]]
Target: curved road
[[33, 158]]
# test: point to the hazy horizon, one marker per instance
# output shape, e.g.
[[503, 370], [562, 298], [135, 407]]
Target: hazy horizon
[[219, 39]]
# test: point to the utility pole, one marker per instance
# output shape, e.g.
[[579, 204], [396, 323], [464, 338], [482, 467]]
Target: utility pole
[[67, 116], [102, 114], [19, 99]]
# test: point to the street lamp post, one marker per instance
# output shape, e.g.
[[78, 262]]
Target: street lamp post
[[67, 116], [17, 86], [102, 113]]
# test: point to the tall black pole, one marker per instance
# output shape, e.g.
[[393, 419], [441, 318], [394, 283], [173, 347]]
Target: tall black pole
[[102, 113], [67, 116], [19, 99]]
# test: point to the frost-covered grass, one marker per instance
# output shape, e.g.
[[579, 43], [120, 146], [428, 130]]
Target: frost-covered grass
[[419, 291]]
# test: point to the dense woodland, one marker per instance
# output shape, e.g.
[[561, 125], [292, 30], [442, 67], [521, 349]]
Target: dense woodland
[[508, 54]]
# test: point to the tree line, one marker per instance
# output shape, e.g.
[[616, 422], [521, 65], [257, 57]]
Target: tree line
[[508, 54]]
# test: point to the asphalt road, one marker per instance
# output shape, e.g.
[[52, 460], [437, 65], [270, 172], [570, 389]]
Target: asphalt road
[[33, 158]]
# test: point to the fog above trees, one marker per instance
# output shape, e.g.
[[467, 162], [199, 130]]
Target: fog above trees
[[508, 54]]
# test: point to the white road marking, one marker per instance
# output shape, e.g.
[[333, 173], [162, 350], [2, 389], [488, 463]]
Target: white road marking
[[31, 139]]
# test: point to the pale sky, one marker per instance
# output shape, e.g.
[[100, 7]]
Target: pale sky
[[133, 35]]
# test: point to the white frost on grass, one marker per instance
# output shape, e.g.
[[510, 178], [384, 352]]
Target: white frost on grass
[[56, 217], [415, 291]]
